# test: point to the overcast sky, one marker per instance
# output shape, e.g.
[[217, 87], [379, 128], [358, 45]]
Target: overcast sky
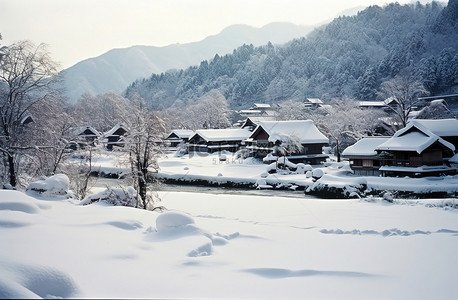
[[80, 29]]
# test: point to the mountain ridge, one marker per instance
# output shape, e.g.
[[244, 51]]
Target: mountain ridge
[[115, 69]]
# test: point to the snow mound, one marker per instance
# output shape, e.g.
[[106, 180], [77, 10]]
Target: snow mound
[[262, 184], [21, 281], [317, 173], [114, 196], [54, 186], [303, 168], [18, 201], [174, 221]]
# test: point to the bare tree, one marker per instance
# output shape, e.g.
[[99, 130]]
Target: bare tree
[[26, 79], [405, 89], [102, 111], [144, 143], [344, 123]]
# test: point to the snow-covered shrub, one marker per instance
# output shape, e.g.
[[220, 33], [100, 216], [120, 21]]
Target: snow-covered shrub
[[174, 221], [114, 196], [272, 168], [303, 168], [182, 149], [317, 173], [308, 174], [269, 158], [54, 186], [262, 184], [387, 196]]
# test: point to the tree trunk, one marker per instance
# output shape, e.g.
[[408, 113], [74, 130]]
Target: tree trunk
[[338, 151], [11, 166]]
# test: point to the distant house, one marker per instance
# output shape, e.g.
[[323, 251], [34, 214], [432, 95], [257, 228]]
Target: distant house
[[386, 105], [258, 110], [269, 134], [422, 148], [215, 140], [364, 159], [313, 102], [178, 136], [113, 137], [83, 136]]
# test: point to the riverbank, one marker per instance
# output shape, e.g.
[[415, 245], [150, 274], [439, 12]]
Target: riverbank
[[337, 180]]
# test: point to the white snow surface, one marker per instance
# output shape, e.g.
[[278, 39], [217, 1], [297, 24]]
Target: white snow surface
[[365, 146], [230, 134], [222, 246], [413, 141], [304, 130]]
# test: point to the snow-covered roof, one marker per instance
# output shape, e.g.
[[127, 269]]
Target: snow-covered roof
[[82, 129], [454, 159], [314, 100], [304, 130], [230, 134], [257, 119], [182, 133], [413, 141], [261, 105], [365, 146], [440, 127], [372, 103], [114, 129], [389, 100]]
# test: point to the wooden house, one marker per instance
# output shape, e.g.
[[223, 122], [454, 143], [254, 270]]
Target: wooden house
[[364, 159], [270, 135], [216, 140], [178, 136], [422, 148], [313, 102], [113, 137], [83, 136]]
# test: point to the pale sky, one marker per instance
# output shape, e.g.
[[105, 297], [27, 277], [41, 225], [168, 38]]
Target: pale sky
[[80, 29]]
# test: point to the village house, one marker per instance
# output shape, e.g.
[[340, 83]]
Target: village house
[[363, 158], [258, 110], [422, 148], [178, 136], [113, 137], [216, 140], [82, 137], [313, 102], [301, 135]]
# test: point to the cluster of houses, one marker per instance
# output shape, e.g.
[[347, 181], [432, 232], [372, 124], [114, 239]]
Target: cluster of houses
[[87, 135], [422, 148]]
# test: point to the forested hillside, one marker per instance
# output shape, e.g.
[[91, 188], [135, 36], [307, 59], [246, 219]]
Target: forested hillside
[[350, 57]]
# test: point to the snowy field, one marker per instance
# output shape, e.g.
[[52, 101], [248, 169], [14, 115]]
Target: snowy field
[[211, 246], [228, 246]]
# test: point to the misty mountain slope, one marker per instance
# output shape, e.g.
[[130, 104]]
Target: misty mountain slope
[[349, 57], [117, 68]]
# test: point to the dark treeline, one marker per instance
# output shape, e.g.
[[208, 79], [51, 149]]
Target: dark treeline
[[349, 57]]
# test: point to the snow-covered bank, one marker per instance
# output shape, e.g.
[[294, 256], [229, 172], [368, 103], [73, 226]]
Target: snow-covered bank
[[336, 182], [226, 247]]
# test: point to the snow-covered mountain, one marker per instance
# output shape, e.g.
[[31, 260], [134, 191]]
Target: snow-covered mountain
[[117, 68]]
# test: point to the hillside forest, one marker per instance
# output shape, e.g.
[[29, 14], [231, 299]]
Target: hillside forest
[[350, 57]]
